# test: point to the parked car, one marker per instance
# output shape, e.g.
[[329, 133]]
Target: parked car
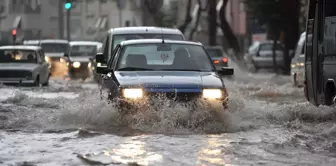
[[78, 58], [260, 56], [23, 65], [298, 62]]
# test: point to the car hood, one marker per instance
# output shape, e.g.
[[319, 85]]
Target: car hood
[[18, 66], [80, 59], [54, 55], [169, 79]]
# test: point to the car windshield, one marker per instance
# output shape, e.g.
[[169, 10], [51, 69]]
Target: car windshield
[[269, 47], [172, 57], [117, 39], [83, 50], [18, 56], [213, 53], [55, 47]]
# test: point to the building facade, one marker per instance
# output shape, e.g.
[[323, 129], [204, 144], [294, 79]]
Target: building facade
[[45, 18]]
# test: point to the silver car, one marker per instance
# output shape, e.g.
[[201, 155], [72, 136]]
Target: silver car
[[260, 56], [298, 62]]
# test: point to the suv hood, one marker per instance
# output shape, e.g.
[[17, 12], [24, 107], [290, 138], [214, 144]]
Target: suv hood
[[169, 79]]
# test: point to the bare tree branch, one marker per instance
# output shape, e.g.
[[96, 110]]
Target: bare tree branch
[[198, 17], [187, 19]]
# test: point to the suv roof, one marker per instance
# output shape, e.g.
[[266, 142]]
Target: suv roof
[[149, 30], [54, 41], [145, 41]]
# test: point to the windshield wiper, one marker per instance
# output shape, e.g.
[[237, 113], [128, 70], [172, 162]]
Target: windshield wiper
[[133, 69]]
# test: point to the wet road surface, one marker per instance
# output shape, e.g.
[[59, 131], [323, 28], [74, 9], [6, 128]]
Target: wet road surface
[[268, 122]]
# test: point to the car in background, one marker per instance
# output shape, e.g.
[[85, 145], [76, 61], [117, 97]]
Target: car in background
[[142, 71], [22, 64], [298, 62], [31, 42], [218, 56], [116, 35], [96, 76], [54, 50], [260, 56], [78, 58]]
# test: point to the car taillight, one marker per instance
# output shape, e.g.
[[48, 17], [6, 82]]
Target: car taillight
[[216, 61], [225, 60]]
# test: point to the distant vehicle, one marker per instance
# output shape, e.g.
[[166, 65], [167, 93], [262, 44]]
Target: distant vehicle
[[298, 62], [78, 58], [260, 56], [180, 71], [320, 53], [218, 56], [54, 50], [96, 76], [31, 42], [23, 65]]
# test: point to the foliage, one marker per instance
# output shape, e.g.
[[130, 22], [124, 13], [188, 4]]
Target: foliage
[[266, 12]]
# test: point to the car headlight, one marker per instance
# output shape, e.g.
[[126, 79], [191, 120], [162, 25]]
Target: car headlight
[[212, 93], [76, 64], [132, 93], [89, 65], [47, 59], [300, 64], [293, 65]]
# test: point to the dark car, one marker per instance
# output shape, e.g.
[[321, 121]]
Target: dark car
[[23, 65], [180, 71], [116, 35], [218, 56], [78, 58]]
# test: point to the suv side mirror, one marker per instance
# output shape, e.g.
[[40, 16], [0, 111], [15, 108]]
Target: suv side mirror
[[103, 70], [66, 55], [100, 58], [226, 71]]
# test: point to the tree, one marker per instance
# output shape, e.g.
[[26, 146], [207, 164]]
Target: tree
[[212, 22], [279, 16], [198, 17], [187, 19], [228, 34]]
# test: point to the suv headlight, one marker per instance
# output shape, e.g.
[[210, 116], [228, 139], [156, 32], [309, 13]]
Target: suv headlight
[[212, 93], [76, 64], [132, 93], [47, 59]]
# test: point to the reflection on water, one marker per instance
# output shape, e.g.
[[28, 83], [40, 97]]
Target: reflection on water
[[212, 153]]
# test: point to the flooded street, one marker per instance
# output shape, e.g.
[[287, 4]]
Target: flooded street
[[268, 122]]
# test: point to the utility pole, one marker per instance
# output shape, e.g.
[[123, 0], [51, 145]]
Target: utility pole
[[61, 19], [68, 24], [121, 6], [68, 5]]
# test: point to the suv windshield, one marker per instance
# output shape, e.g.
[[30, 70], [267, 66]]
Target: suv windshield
[[83, 50], [54, 47], [18, 56], [175, 57], [117, 39]]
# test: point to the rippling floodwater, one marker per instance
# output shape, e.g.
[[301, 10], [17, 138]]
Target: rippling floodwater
[[268, 123]]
